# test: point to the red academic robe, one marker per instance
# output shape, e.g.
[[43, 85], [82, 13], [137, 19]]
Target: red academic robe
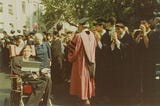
[[83, 45]]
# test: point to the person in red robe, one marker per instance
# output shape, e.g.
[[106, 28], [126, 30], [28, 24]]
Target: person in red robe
[[82, 55]]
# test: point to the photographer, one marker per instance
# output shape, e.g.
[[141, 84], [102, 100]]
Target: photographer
[[142, 36], [143, 63]]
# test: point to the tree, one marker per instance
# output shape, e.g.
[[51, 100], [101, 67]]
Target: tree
[[126, 11]]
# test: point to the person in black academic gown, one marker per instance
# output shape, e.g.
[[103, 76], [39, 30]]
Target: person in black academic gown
[[154, 50], [103, 59], [57, 56], [100, 75], [121, 58], [143, 59]]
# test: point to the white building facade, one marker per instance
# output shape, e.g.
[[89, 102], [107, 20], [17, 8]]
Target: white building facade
[[18, 15]]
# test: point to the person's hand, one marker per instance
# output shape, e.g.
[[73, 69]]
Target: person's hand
[[143, 28], [97, 36], [3, 41], [45, 70], [35, 76], [114, 37], [50, 63]]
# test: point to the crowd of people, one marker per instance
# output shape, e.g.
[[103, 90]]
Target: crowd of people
[[104, 60]]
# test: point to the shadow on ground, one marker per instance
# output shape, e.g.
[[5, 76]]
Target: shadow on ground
[[63, 98]]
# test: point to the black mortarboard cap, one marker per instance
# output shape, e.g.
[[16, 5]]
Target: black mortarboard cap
[[83, 20], [120, 25], [111, 20], [100, 21]]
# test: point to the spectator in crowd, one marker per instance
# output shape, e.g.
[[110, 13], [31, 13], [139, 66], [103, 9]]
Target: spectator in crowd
[[67, 66], [12, 32], [30, 39], [82, 56], [5, 35], [43, 54], [43, 51], [57, 57], [16, 48], [5, 51], [49, 38]]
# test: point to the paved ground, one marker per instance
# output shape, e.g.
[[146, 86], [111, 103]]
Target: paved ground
[[62, 97], [4, 87]]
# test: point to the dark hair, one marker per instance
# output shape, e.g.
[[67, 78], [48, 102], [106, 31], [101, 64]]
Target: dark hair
[[120, 25], [4, 32], [112, 20], [25, 46], [12, 31], [18, 37], [100, 21], [19, 31], [59, 26], [55, 33], [144, 22]]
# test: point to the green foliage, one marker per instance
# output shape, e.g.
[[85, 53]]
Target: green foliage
[[128, 11]]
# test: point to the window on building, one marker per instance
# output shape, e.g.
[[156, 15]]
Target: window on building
[[1, 7], [10, 9], [23, 6], [35, 14], [1, 26], [35, 10]]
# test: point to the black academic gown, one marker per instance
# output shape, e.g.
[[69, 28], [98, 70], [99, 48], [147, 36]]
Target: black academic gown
[[143, 64], [121, 60], [56, 48], [154, 58], [104, 73], [154, 46]]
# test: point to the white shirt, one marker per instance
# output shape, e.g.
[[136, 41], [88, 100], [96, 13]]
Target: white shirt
[[99, 42]]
